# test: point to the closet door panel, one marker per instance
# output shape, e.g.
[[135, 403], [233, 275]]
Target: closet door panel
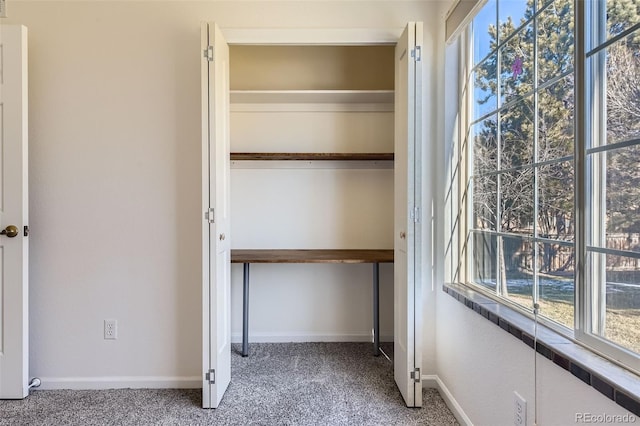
[[216, 238], [407, 216]]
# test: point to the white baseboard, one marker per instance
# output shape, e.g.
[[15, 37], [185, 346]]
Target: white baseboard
[[433, 381], [306, 337], [116, 382], [430, 381], [191, 382]]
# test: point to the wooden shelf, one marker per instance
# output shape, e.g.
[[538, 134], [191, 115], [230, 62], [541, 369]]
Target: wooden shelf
[[310, 156], [312, 96], [311, 256]]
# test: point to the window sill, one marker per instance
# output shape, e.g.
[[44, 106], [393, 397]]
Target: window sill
[[611, 380]]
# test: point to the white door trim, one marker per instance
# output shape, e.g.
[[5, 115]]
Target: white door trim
[[310, 36]]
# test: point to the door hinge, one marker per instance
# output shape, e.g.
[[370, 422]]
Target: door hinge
[[208, 53], [210, 376], [415, 375], [416, 53], [210, 216], [415, 214]]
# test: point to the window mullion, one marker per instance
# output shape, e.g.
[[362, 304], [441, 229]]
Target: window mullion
[[466, 156], [536, 198], [598, 285], [582, 135], [499, 240], [595, 178]]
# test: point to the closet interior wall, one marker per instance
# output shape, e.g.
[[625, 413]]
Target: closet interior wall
[[320, 99]]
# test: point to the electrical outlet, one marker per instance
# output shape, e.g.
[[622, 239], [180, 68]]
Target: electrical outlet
[[3, 8], [519, 410], [110, 329]]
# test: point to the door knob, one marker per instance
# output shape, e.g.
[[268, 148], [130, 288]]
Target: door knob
[[10, 231]]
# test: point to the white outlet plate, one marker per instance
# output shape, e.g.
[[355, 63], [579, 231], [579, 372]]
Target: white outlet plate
[[110, 329], [3, 8], [519, 410]]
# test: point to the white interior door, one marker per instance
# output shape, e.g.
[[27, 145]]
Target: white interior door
[[216, 242], [14, 247], [407, 194]]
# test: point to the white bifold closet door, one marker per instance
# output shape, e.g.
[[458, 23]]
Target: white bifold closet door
[[216, 247], [407, 294], [14, 212], [215, 241]]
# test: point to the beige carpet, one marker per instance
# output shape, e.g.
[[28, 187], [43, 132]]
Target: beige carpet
[[278, 384]]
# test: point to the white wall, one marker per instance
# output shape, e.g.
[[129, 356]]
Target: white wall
[[296, 205], [115, 179], [482, 366]]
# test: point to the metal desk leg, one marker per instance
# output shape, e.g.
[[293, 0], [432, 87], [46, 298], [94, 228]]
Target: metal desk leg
[[245, 311], [376, 309]]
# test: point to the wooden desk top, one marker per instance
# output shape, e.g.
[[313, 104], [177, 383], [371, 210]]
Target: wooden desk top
[[311, 256], [312, 156]]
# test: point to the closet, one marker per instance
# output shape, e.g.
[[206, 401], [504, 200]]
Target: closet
[[312, 183], [298, 153]]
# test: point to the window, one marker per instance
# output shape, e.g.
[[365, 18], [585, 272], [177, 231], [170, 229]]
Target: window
[[544, 201]]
